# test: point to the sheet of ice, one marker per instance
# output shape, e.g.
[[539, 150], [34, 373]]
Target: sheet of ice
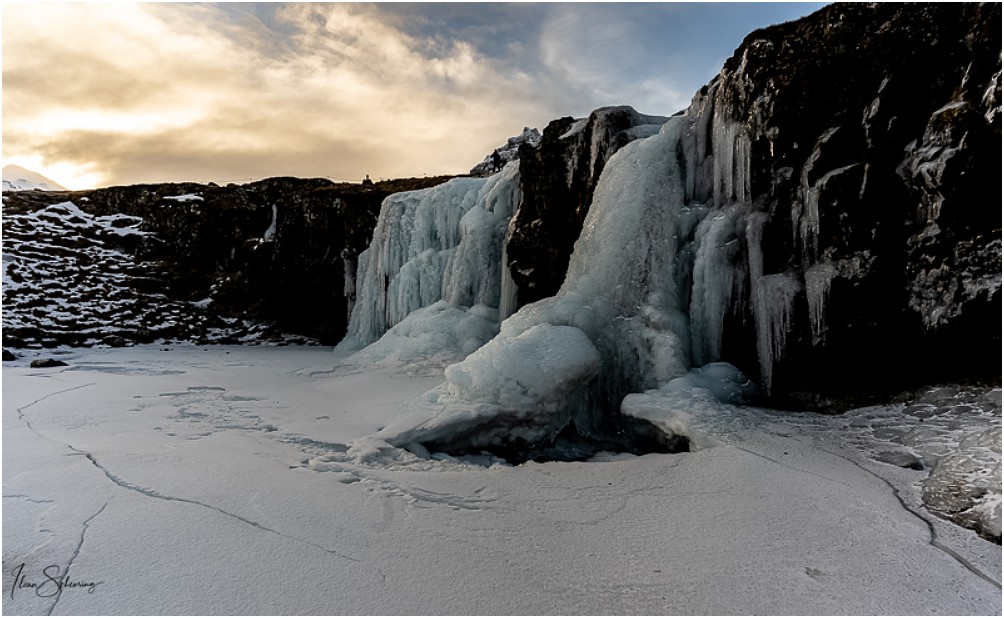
[[441, 243], [241, 481]]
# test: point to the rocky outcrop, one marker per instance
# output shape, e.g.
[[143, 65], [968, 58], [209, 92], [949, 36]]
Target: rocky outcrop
[[849, 167], [508, 152], [269, 260], [47, 363], [873, 141], [557, 179]]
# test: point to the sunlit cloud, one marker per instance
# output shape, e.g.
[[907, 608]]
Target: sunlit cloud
[[345, 95]]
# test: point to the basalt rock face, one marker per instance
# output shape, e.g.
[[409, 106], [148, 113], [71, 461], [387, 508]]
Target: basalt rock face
[[872, 138], [847, 166], [557, 179], [188, 262]]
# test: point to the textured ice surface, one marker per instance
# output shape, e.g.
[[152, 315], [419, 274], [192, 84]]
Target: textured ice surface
[[524, 387], [223, 480], [441, 243], [950, 436], [430, 338]]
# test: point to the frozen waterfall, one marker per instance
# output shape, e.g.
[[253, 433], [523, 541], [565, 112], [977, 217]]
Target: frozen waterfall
[[671, 248], [442, 244]]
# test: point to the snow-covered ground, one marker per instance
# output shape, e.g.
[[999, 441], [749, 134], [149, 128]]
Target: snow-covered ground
[[228, 480]]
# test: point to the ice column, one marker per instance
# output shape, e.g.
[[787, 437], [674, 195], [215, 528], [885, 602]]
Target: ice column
[[475, 271], [270, 232], [774, 308], [349, 283], [714, 278], [731, 150], [508, 289], [818, 279]]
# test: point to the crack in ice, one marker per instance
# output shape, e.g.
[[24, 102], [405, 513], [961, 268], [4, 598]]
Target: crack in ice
[[20, 411], [150, 493], [933, 541], [76, 552]]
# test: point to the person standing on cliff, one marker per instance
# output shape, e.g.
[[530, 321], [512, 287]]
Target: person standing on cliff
[[496, 162]]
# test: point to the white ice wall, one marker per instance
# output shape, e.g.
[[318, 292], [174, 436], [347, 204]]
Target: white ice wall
[[441, 243]]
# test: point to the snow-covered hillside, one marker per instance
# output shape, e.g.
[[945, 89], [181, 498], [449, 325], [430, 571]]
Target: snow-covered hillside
[[16, 178]]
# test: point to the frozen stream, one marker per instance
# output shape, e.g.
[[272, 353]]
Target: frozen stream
[[246, 481]]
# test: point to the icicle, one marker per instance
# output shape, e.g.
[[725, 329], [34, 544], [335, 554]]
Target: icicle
[[349, 285], [270, 232], [805, 219], [508, 289], [754, 243], [713, 282], [818, 279], [773, 306]]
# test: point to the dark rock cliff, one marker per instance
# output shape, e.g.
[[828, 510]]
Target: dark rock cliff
[[875, 145], [854, 156], [185, 261], [557, 179]]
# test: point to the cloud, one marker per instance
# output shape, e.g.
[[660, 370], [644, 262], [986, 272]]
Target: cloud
[[148, 92], [152, 92], [602, 53]]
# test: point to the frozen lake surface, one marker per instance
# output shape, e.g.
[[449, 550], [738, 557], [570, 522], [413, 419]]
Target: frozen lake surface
[[236, 480]]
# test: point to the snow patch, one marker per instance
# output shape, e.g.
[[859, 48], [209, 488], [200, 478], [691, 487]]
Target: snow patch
[[188, 197]]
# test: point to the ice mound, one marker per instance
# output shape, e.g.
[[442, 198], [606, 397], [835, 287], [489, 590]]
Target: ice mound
[[691, 404], [517, 388], [431, 338], [534, 372]]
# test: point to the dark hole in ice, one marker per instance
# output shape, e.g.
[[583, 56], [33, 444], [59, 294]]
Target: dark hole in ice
[[625, 435]]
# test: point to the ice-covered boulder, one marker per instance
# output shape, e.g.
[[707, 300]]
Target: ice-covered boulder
[[521, 389]]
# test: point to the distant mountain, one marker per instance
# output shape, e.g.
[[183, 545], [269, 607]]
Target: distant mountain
[[16, 178]]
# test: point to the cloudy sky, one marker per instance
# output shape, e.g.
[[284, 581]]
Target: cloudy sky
[[99, 94]]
